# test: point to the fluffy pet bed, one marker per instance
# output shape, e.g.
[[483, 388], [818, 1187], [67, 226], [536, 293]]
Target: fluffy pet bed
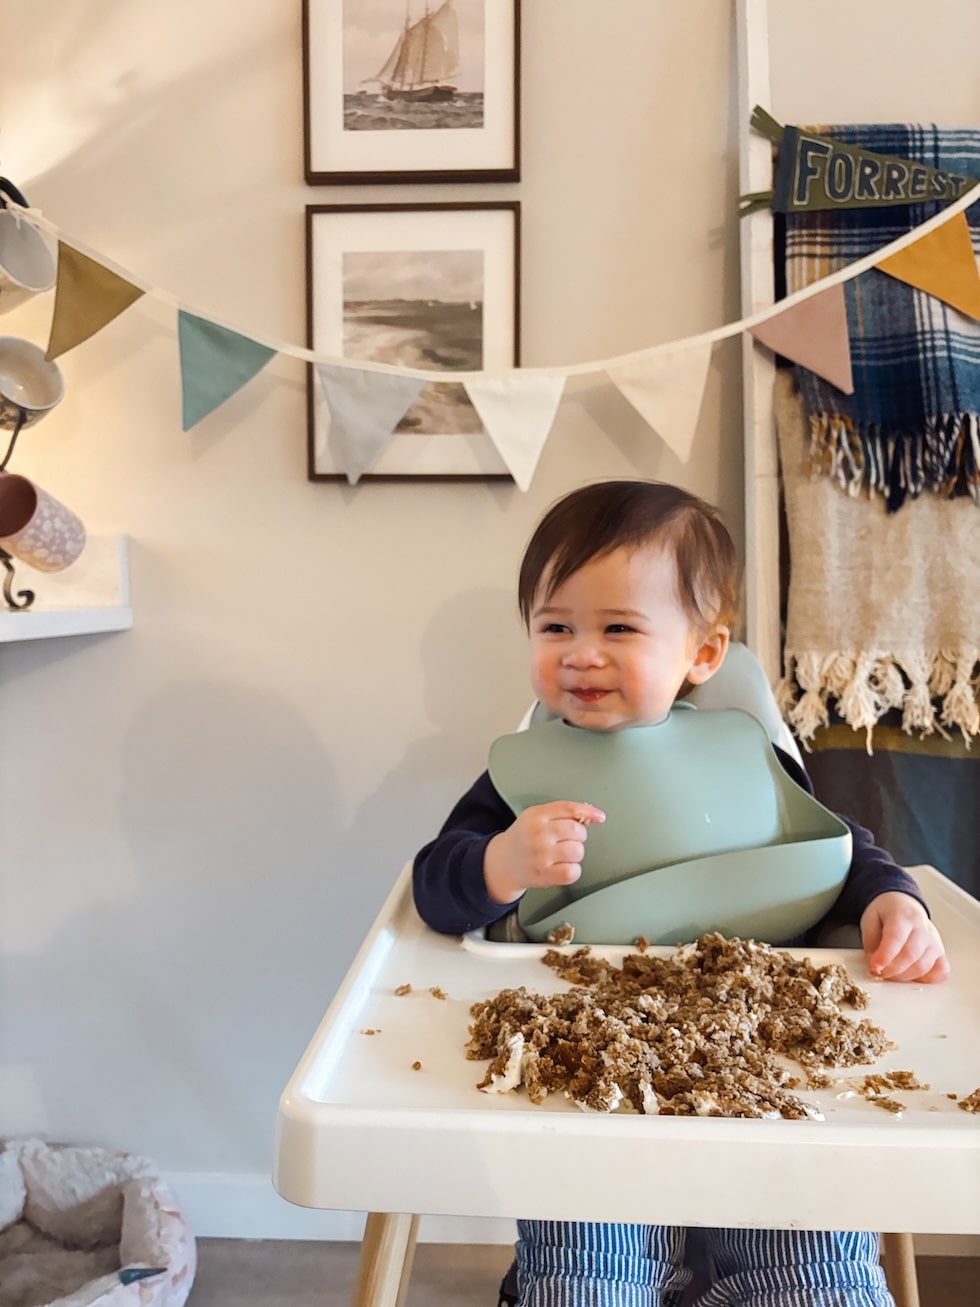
[[82, 1227]]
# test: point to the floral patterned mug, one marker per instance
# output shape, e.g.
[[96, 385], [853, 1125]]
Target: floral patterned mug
[[35, 527]]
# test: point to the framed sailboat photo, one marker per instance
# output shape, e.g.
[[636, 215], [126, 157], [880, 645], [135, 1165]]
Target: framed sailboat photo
[[427, 286], [411, 91]]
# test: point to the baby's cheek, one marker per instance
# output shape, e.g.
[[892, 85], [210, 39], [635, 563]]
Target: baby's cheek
[[543, 676]]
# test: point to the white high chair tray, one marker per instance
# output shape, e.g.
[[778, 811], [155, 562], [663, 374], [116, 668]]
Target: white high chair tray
[[360, 1129]]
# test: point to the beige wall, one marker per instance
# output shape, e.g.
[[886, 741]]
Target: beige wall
[[200, 817]]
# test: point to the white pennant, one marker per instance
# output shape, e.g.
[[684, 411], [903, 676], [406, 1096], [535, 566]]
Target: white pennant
[[666, 389], [365, 408], [517, 412]]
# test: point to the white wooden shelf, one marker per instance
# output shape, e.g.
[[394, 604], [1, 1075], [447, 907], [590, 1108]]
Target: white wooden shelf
[[87, 598]]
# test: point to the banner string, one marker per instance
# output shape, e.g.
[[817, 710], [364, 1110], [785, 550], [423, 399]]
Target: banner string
[[845, 274]]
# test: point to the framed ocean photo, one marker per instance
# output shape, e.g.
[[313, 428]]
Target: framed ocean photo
[[411, 91], [428, 286]]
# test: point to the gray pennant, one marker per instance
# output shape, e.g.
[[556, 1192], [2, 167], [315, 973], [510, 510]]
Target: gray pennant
[[365, 408]]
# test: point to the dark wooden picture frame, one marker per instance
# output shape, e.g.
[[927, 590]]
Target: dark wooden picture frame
[[419, 285], [375, 108]]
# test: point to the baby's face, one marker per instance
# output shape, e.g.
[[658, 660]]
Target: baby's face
[[613, 645]]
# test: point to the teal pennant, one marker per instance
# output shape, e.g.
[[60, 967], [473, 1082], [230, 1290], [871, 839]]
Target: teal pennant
[[214, 363]]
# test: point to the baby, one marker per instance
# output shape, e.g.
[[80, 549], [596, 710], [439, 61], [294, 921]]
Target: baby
[[628, 593]]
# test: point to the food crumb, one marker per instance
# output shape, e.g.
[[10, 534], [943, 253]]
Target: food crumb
[[370, 1031], [416, 1066], [402, 990], [954, 1097], [888, 1104], [642, 943], [873, 1085], [436, 992], [971, 1103], [563, 934]]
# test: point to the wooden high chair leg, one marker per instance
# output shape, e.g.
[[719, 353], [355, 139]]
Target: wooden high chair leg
[[387, 1253], [899, 1254]]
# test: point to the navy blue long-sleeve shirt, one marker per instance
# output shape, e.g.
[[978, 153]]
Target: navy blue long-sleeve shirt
[[451, 893]]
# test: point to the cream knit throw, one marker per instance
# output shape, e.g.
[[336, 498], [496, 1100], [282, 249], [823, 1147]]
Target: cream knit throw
[[884, 609]]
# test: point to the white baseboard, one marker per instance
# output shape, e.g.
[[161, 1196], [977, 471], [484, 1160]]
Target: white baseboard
[[245, 1206]]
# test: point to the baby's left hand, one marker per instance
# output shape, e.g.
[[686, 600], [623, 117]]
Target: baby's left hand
[[900, 942]]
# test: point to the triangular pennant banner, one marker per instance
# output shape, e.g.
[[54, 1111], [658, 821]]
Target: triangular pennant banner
[[814, 334], [517, 413], [88, 296], [666, 389], [215, 362], [365, 408], [942, 264]]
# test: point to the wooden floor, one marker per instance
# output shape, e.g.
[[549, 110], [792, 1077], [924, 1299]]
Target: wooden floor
[[243, 1273]]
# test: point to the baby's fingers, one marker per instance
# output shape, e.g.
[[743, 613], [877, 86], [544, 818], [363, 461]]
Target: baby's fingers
[[929, 966], [939, 972], [886, 953], [563, 873], [902, 964], [910, 964], [567, 810]]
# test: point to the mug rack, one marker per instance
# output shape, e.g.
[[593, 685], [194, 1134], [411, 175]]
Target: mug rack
[[24, 598], [94, 596], [17, 429]]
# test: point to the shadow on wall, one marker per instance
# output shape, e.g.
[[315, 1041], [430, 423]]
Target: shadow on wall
[[635, 440], [115, 81], [475, 687], [230, 805], [190, 998]]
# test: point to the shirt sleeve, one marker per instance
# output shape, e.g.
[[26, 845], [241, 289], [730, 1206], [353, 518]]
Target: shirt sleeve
[[447, 874], [873, 871]]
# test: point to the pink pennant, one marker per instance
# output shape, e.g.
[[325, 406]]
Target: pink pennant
[[813, 334]]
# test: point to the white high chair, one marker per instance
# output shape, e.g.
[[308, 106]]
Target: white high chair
[[393, 1127]]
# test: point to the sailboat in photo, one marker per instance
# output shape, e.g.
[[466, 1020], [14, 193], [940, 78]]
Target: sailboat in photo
[[425, 56]]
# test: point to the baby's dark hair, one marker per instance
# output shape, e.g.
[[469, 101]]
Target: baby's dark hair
[[598, 519]]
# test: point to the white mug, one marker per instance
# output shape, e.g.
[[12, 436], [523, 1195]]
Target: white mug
[[28, 264], [30, 384], [35, 527]]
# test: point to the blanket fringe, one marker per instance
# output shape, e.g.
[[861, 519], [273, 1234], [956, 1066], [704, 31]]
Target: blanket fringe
[[934, 690], [942, 457]]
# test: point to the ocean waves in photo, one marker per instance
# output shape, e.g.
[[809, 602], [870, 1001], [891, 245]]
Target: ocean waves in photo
[[366, 111], [425, 334]]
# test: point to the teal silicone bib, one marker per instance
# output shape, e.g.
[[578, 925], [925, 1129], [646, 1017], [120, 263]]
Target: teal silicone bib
[[704, 831]]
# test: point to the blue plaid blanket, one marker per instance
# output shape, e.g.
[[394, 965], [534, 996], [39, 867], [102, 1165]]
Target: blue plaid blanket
[[913, 423]]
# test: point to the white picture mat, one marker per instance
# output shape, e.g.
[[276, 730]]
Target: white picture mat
[[493, 232], [333, 149]]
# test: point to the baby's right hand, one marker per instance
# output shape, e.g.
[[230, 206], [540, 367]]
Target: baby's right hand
[[545, 846]]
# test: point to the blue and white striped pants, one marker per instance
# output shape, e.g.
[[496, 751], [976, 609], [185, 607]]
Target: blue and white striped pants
[[574, 1264]]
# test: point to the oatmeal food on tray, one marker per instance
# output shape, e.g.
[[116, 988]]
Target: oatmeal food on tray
[[704, 1032]]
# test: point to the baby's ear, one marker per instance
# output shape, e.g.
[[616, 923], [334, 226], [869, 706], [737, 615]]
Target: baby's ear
[[709, 655]]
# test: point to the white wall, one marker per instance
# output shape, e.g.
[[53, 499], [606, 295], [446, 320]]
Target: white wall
[[200, 817]]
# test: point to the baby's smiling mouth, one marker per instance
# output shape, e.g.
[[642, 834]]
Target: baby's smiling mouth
[[588, 694]]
